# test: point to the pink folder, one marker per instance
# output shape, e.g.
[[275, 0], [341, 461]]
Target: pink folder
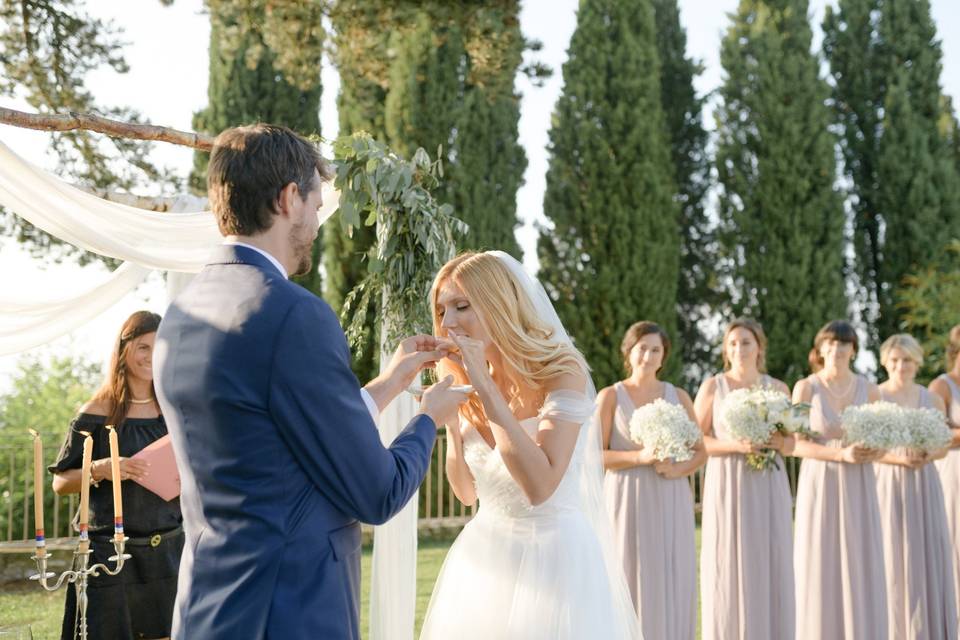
[[163, 478]]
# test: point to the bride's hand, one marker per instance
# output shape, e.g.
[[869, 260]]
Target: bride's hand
[[451, 351], [472, 357]]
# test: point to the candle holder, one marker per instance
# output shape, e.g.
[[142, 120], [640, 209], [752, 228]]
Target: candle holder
[[80, 572]]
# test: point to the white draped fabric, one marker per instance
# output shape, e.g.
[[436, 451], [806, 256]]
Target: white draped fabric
[[176, 242], [166, 241], [179, 240], [27, 324], [393, 577]]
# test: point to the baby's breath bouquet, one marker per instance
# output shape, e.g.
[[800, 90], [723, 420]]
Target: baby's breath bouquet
[[665, 429], [753, 415], [927, 428], [877, 425]]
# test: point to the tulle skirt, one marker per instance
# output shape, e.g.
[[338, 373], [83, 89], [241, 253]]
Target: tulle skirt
[[536, 577]]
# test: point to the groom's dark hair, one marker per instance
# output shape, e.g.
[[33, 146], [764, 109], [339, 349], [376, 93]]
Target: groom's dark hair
[[250, 166]]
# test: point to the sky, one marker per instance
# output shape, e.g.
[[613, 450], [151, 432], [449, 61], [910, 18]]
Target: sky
[[167, 82]]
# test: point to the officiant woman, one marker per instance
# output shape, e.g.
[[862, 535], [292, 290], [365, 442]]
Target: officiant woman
[[138, 602]]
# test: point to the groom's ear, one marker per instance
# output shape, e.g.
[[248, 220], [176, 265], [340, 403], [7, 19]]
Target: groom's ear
[[287, 199]]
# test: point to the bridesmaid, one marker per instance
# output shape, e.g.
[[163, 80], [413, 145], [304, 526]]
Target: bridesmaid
[[746, 575], [916, 543], [838, 551], [650, 502], [947, 387]]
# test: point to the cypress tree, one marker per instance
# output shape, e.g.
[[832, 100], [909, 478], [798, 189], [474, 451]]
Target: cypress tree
[[247, 82], [489, 171], [489, 159], [432, 75], [850, 43], [917, 195], [781, 219], [425, 86], [919, 186], [886, 63], [360, 55], [452, 87], [253, 79], [697, 291], [610, 255]]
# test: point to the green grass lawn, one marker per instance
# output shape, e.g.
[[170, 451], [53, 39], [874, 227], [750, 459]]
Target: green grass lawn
[[26, 605]]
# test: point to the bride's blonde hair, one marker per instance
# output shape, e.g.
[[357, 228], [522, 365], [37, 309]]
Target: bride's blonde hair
[[532, 355]]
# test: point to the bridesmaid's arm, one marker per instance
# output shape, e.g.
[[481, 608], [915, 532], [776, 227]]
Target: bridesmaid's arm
[[941, 406], [803, 448], [458, 472], [911, 460], [671, 470], [779, 442], [613, 459], [941, 389], [683, 469], [703, 408]]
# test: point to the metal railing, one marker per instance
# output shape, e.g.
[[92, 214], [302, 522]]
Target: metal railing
[[16, 497]]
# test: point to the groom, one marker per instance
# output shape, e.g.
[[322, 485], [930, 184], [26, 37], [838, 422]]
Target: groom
[[276, 442]]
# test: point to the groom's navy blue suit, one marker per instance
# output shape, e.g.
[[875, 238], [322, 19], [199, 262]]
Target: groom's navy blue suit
[[279, 457]]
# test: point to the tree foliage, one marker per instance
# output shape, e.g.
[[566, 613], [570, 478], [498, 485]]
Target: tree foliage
[[415, 235], [609, 256], [440, 76], [47, 50], [885, 61], [929, 300], [698, 292], [45, 394], [782, 221]]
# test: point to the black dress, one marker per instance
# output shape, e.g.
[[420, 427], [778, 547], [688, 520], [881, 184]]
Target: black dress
[[138, 602]]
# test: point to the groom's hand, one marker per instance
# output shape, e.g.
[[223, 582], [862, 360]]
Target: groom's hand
[[412, 356], [441, 403]]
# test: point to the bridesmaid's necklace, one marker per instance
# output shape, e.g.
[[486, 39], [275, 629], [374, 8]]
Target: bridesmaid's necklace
[[836, 395], [144, 401]]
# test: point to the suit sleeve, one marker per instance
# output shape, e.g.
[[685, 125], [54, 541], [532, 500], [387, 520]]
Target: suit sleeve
[[316, 403]]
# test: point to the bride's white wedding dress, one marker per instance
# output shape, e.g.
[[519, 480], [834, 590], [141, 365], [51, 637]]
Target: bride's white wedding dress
[[523, 572]]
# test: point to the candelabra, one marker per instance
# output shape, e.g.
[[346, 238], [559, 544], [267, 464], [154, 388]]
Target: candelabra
[[80, 572]]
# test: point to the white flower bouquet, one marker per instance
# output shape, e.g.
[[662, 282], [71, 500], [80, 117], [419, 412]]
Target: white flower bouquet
[[753, 415], [927, 428], [877, 425], [665, 429]]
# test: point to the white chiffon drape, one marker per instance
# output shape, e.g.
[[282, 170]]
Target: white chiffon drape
[[179, 240]]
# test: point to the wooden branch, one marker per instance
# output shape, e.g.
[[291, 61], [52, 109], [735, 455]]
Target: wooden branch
[[73, 121], [160, 204]]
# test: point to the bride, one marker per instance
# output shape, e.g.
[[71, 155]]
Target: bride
[[536, 561]]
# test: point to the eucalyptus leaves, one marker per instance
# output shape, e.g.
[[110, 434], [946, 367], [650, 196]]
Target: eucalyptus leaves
[[415, 234]]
